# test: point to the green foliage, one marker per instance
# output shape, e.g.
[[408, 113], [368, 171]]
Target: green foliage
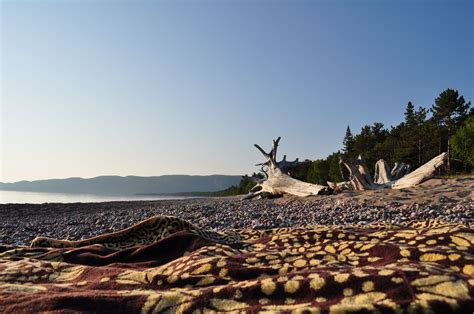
[[245, 186], [348, 143], [323, 170], [463, 144], [301, 172], [412, 135], [450, 110], [409, 112], [318, 172], [433, 141], [416, 140], [368, 143], [337, 172]]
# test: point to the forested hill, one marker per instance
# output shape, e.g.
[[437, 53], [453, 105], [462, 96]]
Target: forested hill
[[131, 185]]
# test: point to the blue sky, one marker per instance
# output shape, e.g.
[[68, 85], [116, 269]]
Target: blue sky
[[93, 88]]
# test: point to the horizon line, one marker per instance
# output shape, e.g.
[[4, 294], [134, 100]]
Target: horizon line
[[126, 176]]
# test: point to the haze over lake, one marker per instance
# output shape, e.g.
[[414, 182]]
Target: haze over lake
[[7, 197]]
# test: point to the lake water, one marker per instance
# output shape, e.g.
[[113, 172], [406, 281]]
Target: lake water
[[43, 197]]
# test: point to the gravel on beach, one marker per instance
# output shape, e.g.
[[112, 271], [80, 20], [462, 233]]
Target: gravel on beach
[[449, 200]]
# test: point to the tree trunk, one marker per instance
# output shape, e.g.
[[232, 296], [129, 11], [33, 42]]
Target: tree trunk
[[448, 163], [419, 152], [277, 181], [439, 149]]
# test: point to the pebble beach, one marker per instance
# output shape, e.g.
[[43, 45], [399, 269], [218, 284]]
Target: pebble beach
[[449, 200]]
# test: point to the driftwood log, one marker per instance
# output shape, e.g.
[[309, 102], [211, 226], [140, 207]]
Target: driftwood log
[[384, 175], [384, 179], [277, 180]]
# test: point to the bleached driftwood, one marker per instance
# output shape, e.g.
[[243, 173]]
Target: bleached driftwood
[[384, 175], [277, 181], [361, 181], [421, 174], [359, 176], [382, 172]]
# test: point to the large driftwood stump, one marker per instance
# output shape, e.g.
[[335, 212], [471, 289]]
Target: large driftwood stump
[[277, 180], [396, 179], [382, 172]]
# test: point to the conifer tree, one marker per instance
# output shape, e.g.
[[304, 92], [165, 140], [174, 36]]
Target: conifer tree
[[449, 112], [414, 134], [409, 112], [348, 143]]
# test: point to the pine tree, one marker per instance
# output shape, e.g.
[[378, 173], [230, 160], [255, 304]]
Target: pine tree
[[420, 129], [449, 112], [409, 113], [413, 133], [348, 143]]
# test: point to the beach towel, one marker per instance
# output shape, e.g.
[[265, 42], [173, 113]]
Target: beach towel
[[167, 265]]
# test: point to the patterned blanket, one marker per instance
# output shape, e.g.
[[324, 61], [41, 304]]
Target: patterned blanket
[[165, 264]]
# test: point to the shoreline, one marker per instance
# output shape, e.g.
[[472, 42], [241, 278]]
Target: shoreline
[[449, 200]]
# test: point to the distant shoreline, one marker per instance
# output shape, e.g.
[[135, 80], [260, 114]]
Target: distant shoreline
[[131, 185], [26, 197]]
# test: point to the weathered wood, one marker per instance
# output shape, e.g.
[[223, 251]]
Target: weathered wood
[[421, 174], [382, 172], [359, 181], [384, 175], [364, 171], [278, 181], [358, 174]]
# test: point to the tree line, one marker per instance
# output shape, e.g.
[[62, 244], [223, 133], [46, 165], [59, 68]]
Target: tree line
[[425, 132], [446, 126]]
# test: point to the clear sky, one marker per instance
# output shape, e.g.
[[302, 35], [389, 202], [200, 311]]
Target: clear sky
[[147, 88]]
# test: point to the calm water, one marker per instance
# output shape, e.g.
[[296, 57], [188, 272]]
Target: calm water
[[40, 197]]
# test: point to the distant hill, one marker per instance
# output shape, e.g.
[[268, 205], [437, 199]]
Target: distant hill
[[130, 185]]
